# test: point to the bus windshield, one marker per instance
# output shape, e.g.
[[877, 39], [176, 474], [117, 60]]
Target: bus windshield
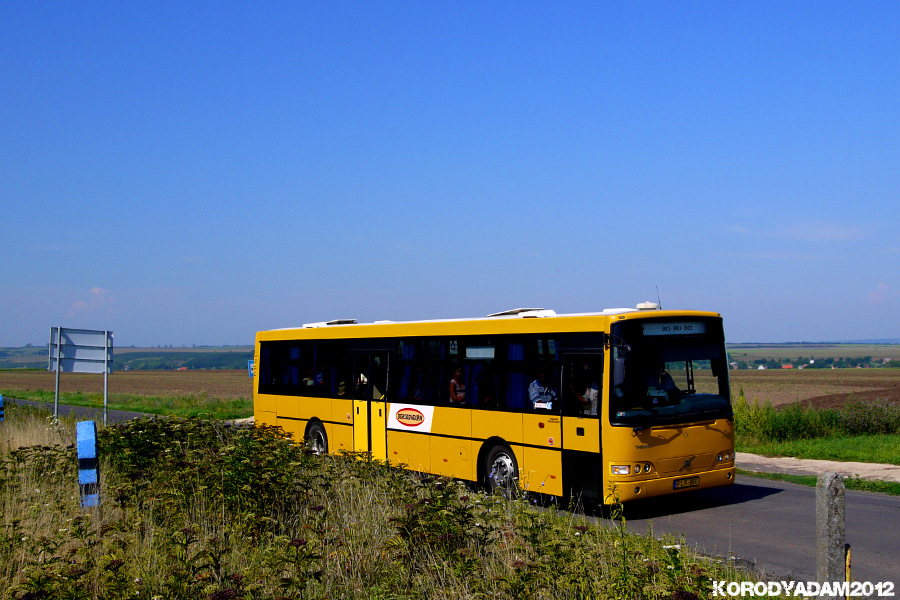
[[668, 373]]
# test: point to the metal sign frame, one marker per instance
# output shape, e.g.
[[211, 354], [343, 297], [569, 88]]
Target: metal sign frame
[[80, 351]]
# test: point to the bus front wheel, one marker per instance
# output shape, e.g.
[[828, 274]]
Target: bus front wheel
[[500, 469], [317, 438]]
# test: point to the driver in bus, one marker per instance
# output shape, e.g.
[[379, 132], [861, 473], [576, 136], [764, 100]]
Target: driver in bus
[[541, 395], [660, 386]]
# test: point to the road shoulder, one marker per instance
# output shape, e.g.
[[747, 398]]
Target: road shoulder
[[797, 466]]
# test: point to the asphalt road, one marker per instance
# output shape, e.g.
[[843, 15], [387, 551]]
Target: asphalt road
[[773, 525], [83, 413]]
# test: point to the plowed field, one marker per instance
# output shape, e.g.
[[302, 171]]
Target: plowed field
[[821, 388], [217, 383]]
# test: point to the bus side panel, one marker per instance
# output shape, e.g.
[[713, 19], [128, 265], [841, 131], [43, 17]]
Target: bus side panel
[[452, 457], [342, 411], [582, 434], [410, 449], [265, 403], [340, 438], [312, 408], [542, 430], [287, 406], [451, 445], [489, 423], [294, 427], [544, 471], [264, 418], [543, 458]]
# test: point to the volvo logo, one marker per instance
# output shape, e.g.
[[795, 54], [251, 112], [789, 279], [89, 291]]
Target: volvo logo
[[687, 463]]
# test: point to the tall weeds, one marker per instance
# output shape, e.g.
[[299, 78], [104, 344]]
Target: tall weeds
[[763, 422], [193, 509]]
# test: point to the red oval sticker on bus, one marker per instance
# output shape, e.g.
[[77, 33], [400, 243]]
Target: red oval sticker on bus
[[410, 417]]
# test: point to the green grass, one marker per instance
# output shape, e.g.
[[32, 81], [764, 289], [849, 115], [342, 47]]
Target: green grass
[[852, 483], [195, 405], [881, 448]]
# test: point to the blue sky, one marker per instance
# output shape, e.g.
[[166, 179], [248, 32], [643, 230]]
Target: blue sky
[[189, 173]]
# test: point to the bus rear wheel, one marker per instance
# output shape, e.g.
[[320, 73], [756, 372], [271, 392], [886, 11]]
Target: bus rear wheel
[[500, 469], [317, 438]]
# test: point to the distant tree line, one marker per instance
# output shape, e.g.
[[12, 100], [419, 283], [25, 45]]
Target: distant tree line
[[178, 360], [865, 362]]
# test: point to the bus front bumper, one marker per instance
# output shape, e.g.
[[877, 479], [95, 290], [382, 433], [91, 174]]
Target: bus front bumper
[[625, 489]]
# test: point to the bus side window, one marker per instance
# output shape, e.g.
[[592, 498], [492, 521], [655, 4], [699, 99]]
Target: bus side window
[[484, 391]]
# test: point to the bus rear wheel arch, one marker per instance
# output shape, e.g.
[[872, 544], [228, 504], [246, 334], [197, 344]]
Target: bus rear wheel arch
[[317, 438]]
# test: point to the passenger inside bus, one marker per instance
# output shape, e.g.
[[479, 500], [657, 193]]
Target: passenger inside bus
[[457, 388], [585, 391]]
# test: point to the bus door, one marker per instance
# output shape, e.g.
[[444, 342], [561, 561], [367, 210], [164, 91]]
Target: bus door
[[370, 376], [582, 381]]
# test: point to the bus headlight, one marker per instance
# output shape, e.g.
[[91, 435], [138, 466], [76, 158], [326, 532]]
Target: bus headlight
[[621, 469]]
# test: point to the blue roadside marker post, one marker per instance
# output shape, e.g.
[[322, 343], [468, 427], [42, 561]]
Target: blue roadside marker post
[[88, 466], [1, 408]]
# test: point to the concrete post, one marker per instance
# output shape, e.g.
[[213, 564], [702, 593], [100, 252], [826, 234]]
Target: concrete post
[[830, 533]]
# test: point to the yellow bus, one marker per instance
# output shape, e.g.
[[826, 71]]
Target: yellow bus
[[613, 405]]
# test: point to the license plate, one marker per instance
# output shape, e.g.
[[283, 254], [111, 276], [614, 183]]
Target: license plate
[[688, 482]]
